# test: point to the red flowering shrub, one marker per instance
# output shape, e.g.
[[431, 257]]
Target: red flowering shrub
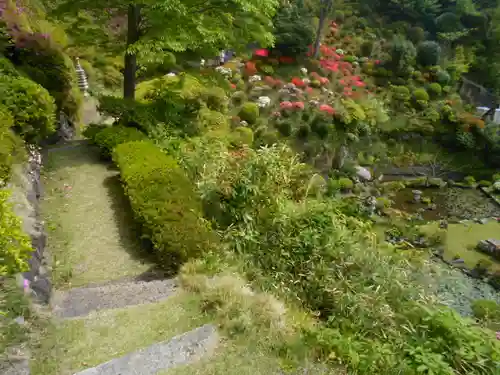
[[250, 68], [327, 109], [270, 81], [286, 105], [298, 82], [298, 105]]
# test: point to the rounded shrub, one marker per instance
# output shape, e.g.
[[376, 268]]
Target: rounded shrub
[[110, 137], [242, 136], [32, 107], [303, 131], [11, 146], [428, 53], [421, 94], [339, 16], [267, 69], [486, 309], [443, 77], [496, 177], [366, 48], [249, 112], [416, 34], [215, 98], [401, 93], [345, 184], [434, 89], [238, 97], [164, 203], [285, 128]]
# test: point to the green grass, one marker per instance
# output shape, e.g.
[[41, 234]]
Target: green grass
[[74, 345], [91, 234], [461, 238]]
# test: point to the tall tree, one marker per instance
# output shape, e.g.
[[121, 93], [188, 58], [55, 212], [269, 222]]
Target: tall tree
[[155, 26]]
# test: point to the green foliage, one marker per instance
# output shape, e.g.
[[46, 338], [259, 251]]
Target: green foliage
[[31, 107], [266, 69], [416, 34], [216, 99], [403, 54], [209, 119], [401, 93], [164, 203], [11, 146], [345, 184], [46, 64], [242, 136], [15, 244], [110, 137], [238, 97], [293, 29], [448, 23], [443, 77], [470, 180], [339, 16], [421, 95], [495, 177], [303, 131], [486, 310], [434, 89], [485, 183], [428, 53], [249, 112], [285, 128], [366, 48]]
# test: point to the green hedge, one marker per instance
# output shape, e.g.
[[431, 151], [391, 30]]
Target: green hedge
[[11, 146], [163, 202], [110, 137]]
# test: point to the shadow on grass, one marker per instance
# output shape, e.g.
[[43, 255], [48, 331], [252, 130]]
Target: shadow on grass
[[130, 231]]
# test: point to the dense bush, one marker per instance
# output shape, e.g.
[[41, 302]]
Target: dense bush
[[403, 54], [303, 131], [443, 77], [31, 106], [110, 137], [242, 136], [216, 99], [434, 89], [366, 48], [163, 202], [421, 95], [285, 128], [416, 34], [15, 245], [428, 53], [249, 112], [486, 309], [401, 93], [11, 146]]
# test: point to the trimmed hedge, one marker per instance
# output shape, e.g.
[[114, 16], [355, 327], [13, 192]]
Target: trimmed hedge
[[164, 203], [110, 137]]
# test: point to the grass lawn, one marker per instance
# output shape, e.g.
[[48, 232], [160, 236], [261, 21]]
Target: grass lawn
[[461, 236], [74, 345], [91, 235]]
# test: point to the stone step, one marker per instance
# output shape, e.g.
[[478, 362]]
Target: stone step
[[79, 302], [183, 349]]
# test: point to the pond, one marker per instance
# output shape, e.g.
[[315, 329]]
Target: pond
[[449, 203]]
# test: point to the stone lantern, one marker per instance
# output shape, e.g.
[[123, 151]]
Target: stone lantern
[[417, 196]]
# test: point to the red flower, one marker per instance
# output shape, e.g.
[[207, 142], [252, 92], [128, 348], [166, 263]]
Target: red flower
[[298, 105], [343, 82], [261, 52], [286, 105], [250, 68], [233, 86], [298, 82], [377, 62], [270, 80], [327, 109], [323, 80], [359, 84]]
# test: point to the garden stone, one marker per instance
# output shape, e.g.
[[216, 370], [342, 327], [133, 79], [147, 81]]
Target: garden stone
[[458, 261], [417, 195], [483, 221], [443, 224]]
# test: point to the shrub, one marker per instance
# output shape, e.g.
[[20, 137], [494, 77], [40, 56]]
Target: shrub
[[31, 106], [416, 34], [242, 136], [163, 202], [434, 90], [383, 202], [484, 309], [448, 23], [403, 54], [249, 112], [238, 97], [269, 138], [421, 95], [15, 245], [428, 53], [11, 146], [216, 99], [496, 177], [443, 77], [208, 119], [285, 128], [366, 48], [110, 137], [470, 180], [485, 183], [401, 93], [267, 69], [91, 130], [345, 184], [339, 16], [303, 131]]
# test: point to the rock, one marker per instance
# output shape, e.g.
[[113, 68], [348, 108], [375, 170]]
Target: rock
[[483, 221], [458, 261], [363, 173]]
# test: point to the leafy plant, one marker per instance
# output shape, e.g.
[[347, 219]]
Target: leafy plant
[[110, 137], [428, 53], [249, 112]]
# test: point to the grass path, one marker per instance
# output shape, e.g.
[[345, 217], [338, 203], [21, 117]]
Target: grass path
[[90, 229]]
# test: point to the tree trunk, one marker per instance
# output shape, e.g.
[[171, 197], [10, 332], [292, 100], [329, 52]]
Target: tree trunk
[[131, 58], [326, 6]]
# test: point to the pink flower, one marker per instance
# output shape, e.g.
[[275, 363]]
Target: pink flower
[[286, 105], [377, 62], [309, 90], [233, 86], [498, 335], [324, 80], [298, 105], [343, 82], [326, 108], [359, 84]]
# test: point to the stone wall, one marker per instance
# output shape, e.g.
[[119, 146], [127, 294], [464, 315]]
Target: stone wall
[[26, 192]]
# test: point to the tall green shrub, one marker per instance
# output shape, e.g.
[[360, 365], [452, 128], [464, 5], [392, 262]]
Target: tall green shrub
[[163, 202], [11, 146], [428, 53], [15, 245], [31, 106], [110, 137]]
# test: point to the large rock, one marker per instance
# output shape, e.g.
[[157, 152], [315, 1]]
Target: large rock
[[363, 173]]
